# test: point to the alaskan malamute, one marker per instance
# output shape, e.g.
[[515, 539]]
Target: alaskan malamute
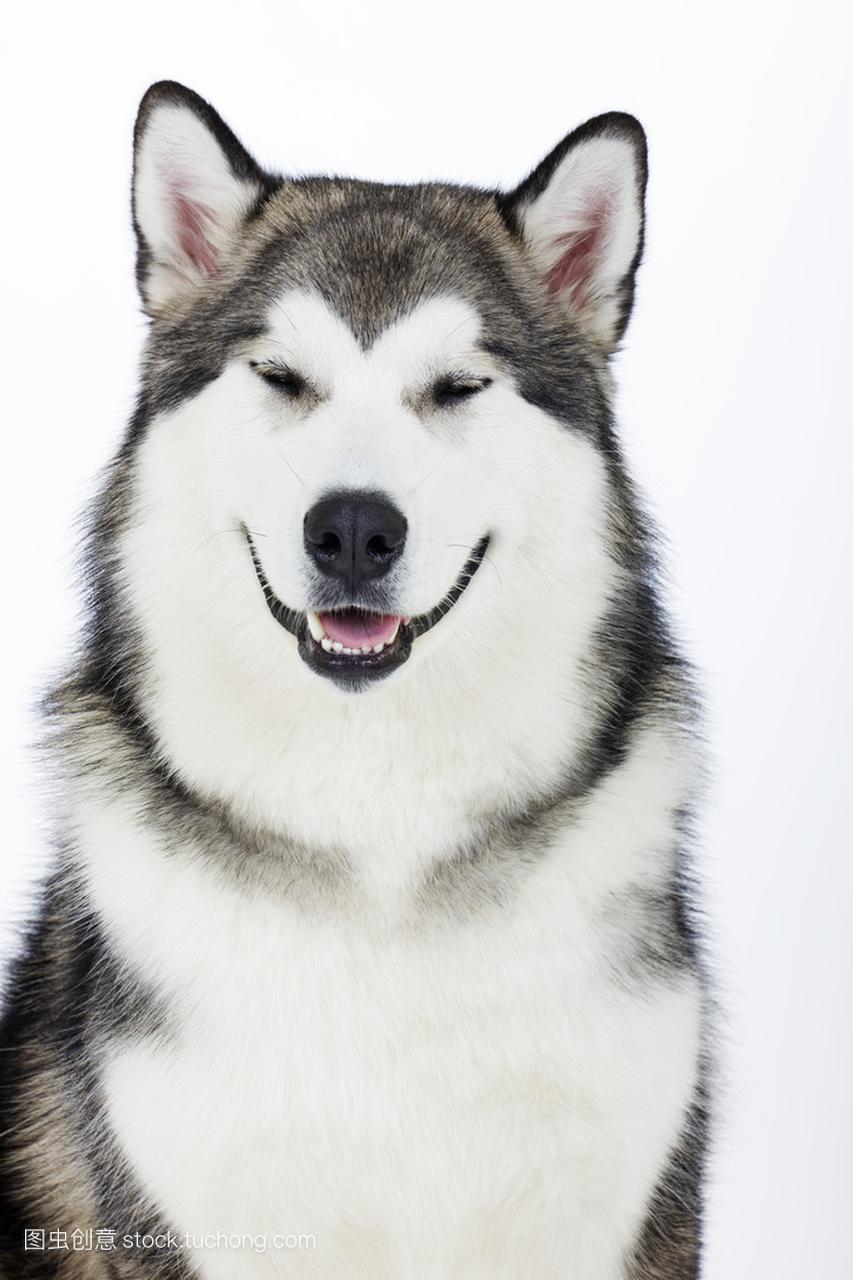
[[367, 953]]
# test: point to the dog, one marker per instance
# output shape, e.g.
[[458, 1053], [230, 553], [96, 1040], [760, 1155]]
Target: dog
[[369, 950]]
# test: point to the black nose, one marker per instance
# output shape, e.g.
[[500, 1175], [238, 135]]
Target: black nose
[[355, 536]]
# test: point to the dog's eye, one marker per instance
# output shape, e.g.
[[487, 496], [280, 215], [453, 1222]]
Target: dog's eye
[[449, 391], [287, 381]]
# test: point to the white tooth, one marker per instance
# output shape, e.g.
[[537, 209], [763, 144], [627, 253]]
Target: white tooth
[[337, 646], [315, 626], [349, 651], [377, 648], [327, 644]]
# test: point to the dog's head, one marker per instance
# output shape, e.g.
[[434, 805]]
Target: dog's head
[[373, 417]]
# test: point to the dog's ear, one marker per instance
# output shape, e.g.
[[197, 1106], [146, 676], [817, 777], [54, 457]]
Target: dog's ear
[[580, 215], [193, 186]]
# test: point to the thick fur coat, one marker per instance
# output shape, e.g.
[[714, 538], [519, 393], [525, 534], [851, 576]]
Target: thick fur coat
[[367, 960]]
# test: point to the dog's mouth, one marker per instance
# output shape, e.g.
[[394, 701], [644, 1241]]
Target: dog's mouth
[[354, 645]]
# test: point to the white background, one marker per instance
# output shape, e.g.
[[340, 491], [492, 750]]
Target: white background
[[735, 405]]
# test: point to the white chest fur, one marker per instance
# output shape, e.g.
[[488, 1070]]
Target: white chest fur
[[444, 1097]]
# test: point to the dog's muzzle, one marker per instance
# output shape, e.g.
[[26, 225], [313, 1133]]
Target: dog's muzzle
[[354, 645]]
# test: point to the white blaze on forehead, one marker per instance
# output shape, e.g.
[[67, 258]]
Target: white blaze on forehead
[[440, 331], [303, 330], [439, 335]]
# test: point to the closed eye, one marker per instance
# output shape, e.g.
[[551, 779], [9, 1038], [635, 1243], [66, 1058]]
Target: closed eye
[[454, 389], [281, 377]]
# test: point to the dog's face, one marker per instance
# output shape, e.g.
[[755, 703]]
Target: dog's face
[[374, 427]]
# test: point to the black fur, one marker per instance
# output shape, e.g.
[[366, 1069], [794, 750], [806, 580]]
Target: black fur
[[670, 1244], [70, 993]]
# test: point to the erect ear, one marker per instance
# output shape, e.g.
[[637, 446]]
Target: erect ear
[[580, 214], [193, 186]]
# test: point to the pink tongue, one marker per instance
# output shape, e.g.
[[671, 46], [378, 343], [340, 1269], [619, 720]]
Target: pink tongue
[[360, 630]]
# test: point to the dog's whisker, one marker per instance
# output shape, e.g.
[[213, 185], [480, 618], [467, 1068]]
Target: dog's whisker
[[218, 533], [428, 476], [455, 329], [487, 559], [288, 318], [289, 465]]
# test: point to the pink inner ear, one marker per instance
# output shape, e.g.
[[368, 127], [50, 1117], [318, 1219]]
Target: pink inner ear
[[575, 270], [193, 220]]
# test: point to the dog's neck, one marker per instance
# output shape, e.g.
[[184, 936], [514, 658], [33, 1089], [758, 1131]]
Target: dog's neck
[[408, 770]]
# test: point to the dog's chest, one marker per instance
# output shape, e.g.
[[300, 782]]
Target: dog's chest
[[466, 1096]]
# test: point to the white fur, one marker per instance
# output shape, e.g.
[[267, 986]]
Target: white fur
[[232, 702], [430, 1096], [455, 1101]]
